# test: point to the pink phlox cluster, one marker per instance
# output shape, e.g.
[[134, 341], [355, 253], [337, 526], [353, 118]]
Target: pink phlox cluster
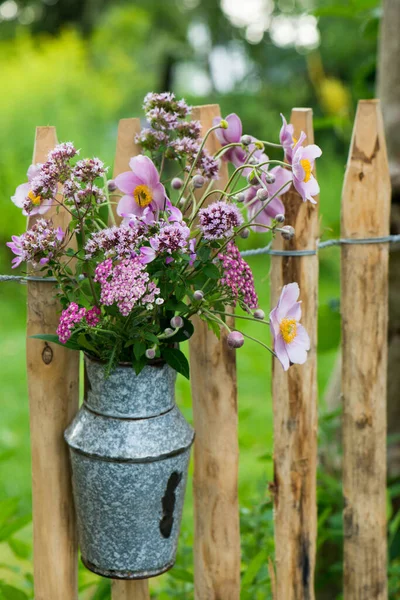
[[70, 317], [93, 316], [218, 220], [73, 315], [38, 245], [125, 284], [238, 277]]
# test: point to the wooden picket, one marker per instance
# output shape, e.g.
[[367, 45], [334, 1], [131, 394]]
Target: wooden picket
[[53, 376], [364, 305], [295, 403], [53, 392], [216, 449]]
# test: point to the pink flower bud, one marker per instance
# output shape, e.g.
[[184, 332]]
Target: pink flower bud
[[262, 194], [176, 183], [176, 322], [111, 185], [150, 353], [259, 314], [246, 140], [198, 295], [198, 181], [287, 232], [235, 339], [279, 218]]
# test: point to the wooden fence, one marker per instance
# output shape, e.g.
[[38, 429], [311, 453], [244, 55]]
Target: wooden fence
[[53, 390]]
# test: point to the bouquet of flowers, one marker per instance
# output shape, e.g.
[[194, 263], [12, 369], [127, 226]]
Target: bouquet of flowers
[[128, 290]]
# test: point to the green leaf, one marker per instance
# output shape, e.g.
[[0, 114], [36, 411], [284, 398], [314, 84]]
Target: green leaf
[[138, 365], [139, 348], [8, 508], [175, 305], [180, 292], [9, 592], [254, 566], [181, 575], [214, 327], [150, 337], [20, 548], [50, 337], [84, 342], [211, 271], [177, 360], [13, 526]]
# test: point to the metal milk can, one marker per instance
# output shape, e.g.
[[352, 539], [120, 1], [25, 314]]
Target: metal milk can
[[129, 447]]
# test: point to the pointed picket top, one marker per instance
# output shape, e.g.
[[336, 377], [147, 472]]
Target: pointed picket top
[[364, 310], [367, 176], [126, 148]]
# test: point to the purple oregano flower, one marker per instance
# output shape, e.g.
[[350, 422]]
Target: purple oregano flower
[[218, 220], [291, 341]]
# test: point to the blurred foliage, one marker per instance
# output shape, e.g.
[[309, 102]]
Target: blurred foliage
[[84, 64]]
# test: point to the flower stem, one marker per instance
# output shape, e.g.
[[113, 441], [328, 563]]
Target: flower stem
[[192, 168], [220, 312]]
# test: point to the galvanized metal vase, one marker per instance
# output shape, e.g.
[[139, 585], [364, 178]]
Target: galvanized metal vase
[[129, 447]]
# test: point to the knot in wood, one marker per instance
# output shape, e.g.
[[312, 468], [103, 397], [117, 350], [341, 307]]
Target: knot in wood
[[47, 354]]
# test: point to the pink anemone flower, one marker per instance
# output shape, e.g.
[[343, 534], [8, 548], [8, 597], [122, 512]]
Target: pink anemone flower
[[286, 137], [24, 191], [231, 135], [142, 188], [291, 341], [283, 178], [303, 165]]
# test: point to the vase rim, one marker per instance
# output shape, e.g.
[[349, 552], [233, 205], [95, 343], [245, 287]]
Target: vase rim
[[154, 362]]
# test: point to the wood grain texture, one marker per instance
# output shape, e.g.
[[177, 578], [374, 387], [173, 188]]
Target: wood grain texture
[[364, 306], [126, 148], [130, 590], [53, 374], [295, 404], [216, 451]]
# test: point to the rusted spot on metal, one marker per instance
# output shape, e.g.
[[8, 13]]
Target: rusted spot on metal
[[47, 354], [168, 504]]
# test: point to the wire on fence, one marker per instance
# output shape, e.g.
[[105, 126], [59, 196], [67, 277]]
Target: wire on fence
[[392, 239]]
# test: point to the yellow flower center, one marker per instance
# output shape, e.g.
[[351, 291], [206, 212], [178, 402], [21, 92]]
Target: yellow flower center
[[294, 140], [142, 195], [34, 199], [288, 329], [307, 169]]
